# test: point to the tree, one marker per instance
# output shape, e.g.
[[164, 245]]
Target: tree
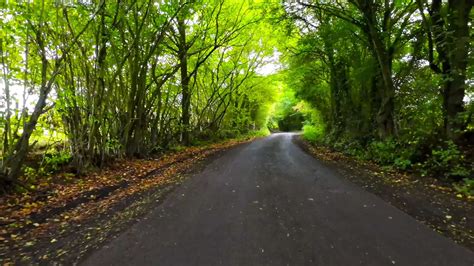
[[448, 33], [126, 78], [382, 26], [11, 168]]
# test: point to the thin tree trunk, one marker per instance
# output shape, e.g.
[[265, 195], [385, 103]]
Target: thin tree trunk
[[7, 133]]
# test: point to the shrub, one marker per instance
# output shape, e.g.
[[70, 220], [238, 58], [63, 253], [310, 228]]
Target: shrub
[[446, 160], [313, 133], [228, 134], [466, 187], [383, 152], [402, 164], [53, 162], [354, 148], [390, 152], [259, 133]]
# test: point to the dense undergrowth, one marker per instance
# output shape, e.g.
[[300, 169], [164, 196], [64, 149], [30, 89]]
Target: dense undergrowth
[[445, 160]]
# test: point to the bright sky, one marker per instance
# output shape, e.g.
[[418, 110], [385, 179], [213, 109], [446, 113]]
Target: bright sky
[[16, 93], [271, 64]]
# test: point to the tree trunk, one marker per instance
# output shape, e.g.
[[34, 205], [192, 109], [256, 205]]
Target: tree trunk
[[7, 134], [385, 115], [378, 42], [185, 91], [455, 75], [451, 36], [18, 155]]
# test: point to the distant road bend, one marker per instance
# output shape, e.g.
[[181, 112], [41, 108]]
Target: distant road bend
[[270, 203]]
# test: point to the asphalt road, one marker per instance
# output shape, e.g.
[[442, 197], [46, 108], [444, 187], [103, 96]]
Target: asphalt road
[[269, 203]]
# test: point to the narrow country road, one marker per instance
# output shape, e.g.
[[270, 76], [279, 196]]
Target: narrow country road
[[269, 203]]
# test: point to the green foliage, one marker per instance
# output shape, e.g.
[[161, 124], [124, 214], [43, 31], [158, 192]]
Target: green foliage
[[178, 148], [313, 133], [446, 161], [259, 133], [392, 153], [291, 122], [54, 161], [30, 174], [122, 87], [228, 134], [286, 117], [383, 152], [466, 187], [118, 80], [386, 104], [403, 164]]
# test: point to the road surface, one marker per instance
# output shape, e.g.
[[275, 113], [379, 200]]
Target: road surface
[[269, 203]]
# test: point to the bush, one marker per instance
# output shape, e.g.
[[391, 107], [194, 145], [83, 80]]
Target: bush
[[354, 148], [466, 187], [259, 133], [446, 160], [312, 133], [228, 134], [383, 152], [402, 164], [390, 152], [53, 162]]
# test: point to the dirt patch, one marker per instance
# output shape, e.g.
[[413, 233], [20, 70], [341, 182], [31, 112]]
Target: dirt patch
[[430, 201], [66, 221]]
